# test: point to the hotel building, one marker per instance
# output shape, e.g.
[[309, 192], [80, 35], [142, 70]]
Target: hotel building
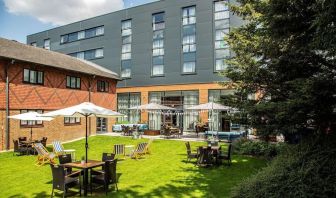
[[168, 52]]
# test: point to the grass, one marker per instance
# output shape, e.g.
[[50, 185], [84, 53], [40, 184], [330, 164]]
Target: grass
[[164, 173]]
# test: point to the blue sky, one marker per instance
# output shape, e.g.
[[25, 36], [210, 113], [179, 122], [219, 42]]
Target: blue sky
[[25, 20]]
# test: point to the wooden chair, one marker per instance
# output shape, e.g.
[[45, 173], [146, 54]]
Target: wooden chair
[[190, 155], [43, 156], [139, 151], [227, 157], [63, 182]]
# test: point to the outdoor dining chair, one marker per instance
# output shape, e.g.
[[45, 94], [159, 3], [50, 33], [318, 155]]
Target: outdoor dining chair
[[190, 155], [66, 158], [107, 177], [63, 182], [19, 149], [43, 156], [227, 156]]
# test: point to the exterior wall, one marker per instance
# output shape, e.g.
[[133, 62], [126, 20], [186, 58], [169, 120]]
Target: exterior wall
[[203, 89], [142, 42], [50, 96]]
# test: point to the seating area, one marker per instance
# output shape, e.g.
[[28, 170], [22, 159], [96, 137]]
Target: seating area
[[209, 155], [23, 146], [162, 173], [168, 131]]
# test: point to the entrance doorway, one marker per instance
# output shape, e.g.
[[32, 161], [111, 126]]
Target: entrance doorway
[[101, 125], [174, 102]]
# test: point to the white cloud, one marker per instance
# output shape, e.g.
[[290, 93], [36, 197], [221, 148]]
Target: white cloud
[[60, 12]]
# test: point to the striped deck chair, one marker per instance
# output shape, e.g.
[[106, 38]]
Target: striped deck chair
[[140, 150], [58, 148], [148, 151], [119, 149], [43, 156]]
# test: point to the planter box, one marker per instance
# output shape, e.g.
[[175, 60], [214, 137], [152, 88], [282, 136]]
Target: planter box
[[152, 132]]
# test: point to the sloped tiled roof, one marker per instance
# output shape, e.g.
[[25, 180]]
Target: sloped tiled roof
[[22, 52]]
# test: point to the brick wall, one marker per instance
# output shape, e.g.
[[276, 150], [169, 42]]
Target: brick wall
[[50, 96]]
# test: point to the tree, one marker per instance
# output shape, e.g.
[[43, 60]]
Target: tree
[[286, 53]]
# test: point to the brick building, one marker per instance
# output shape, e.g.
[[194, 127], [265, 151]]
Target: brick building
[[35, 79]]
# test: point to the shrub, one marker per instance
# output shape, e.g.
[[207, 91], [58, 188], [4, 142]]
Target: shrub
[[304, 170], [256, 148]]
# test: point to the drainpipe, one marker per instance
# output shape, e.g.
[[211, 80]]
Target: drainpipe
[[7, 136], [90, 90]]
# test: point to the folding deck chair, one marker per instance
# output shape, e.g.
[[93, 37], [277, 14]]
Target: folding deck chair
[[140, 150], [43, 156]]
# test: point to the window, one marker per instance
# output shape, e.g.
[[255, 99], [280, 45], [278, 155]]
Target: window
[[189, 15], [222, 28], [126, 48], [126, 101], [126, 39], [158, 44], [72, 120], [73, 82], [31, 123], [126, 69], [46, 44], [84, 34], [126, 28], [102, 86], [189, 40], [158, 21], [189, 67], [33, 76], [89, 54], [33, 44]]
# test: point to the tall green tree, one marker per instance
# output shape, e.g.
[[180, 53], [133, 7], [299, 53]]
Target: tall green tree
[[285, 52]]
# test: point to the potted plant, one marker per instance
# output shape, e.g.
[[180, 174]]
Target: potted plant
[[83, 160]]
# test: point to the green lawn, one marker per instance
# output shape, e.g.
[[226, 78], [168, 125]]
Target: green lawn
[[164, 173]]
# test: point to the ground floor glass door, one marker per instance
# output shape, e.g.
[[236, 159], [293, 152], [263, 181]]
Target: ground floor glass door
[[101, 125]]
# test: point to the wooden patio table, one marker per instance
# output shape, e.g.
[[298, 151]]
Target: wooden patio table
[[85, 167]]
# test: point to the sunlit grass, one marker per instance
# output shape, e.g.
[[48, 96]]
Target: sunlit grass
[[164, 173]]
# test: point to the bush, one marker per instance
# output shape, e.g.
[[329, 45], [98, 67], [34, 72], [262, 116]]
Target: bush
[[304, 170], [256, 148]]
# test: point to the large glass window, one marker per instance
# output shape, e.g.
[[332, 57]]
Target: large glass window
[[179, 100], [222, 28], [158, 44], [84, 34], [33, 76], [72, 120], [189, 15], [126, 49], [189, 40], [89, 54], [126, 101], [217, 95]]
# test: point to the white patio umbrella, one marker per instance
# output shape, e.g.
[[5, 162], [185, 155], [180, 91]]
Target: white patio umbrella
[[210, 106], [30, 116], [86, 110], [152, 106]]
